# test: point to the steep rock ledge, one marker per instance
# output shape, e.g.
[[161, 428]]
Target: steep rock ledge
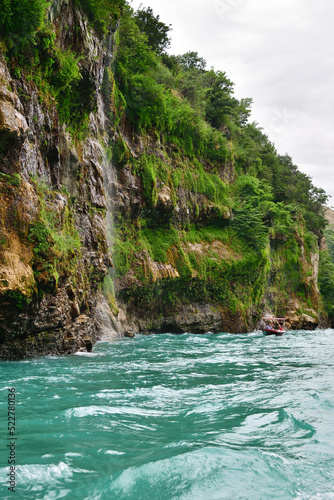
[[53, 247]]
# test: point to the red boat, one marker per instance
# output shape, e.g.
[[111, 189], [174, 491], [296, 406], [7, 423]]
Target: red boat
[[274, 326]]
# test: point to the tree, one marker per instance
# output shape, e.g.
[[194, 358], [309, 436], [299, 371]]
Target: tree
[[155, 30], [243, 111], [191, 60], [172, 62], [220, 103]]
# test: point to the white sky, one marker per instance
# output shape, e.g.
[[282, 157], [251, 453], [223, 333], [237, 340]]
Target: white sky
[[278, 52]]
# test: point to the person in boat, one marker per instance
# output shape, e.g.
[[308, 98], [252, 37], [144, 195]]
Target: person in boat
[[274, 325]]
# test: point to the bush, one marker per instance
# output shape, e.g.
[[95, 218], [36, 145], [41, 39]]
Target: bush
[[159, 241], [101, 12], [326, 282], [248, 225], [19, 22], [148, 175], [41, 236]]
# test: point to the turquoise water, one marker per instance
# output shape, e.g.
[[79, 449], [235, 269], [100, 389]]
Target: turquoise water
[[175, 417]]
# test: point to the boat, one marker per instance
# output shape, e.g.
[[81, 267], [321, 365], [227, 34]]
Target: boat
[[274, 326]]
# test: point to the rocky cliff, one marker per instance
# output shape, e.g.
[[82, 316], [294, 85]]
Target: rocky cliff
[[54, 252], [69, 201]]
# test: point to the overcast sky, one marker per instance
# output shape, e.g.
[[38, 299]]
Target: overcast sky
[[278, 52]]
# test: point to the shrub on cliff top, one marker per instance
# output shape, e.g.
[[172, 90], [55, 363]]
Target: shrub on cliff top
[[101, 12], [154, 29], [20, 20]]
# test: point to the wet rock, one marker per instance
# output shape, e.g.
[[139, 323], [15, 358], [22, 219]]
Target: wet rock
[[107, 322], [129, 334], [302, 321], [194, 318], [89, 345]]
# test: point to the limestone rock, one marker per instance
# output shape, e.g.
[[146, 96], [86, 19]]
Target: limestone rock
[[12, 120]]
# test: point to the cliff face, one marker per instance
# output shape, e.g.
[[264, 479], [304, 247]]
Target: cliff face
[[53, 253], [68, 201], [208, 283], [179, 267]]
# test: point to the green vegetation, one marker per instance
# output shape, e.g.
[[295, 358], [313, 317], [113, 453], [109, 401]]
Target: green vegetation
[[20, 300], [109, 293], [55, 238], [153, 28], [220, 205], [329, 234], [13, 180], [32, 50], [20, 21], [326, 273], [101, 13], [192, 114], [326, 282]]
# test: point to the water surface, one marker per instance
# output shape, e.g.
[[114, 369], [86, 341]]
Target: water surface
[[175, 417]]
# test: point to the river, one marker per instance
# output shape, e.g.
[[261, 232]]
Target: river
[[166, 417]]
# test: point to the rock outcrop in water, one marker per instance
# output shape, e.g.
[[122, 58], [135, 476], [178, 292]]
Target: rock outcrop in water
[[68, 200]]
